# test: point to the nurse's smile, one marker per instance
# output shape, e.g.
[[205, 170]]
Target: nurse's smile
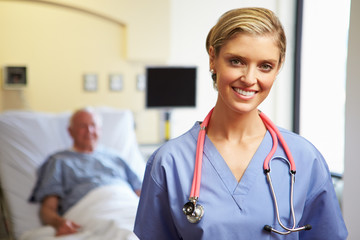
[[246, 67], [245, 94]]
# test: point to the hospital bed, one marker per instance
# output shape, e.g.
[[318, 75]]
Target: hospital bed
[[27, 138]]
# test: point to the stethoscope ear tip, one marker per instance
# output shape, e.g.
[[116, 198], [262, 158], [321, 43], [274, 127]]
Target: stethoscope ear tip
[[268, 228], [308, 227]]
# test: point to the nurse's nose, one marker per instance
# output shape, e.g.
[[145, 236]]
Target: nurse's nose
[[248, 76]]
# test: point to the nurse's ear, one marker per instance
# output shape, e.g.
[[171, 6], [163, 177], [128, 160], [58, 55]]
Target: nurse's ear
[[212, 57]]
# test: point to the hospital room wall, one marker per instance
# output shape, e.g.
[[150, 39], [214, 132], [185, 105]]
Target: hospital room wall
[[61, 40], [351, 193]]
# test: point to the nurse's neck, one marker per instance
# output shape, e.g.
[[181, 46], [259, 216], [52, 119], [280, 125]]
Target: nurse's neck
[[235, 127]]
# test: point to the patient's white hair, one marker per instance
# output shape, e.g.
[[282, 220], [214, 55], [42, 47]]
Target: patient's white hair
[[90, 110]]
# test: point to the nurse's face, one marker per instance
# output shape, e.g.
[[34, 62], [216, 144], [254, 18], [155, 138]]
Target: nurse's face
[[245, 68]]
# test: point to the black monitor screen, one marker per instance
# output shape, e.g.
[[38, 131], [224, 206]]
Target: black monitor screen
[[168, 87]]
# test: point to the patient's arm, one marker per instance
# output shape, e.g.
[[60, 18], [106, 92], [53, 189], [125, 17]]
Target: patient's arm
[[49, 216], [138, 192]]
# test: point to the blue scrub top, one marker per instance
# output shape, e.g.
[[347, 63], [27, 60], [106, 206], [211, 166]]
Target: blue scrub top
[[237, 210]]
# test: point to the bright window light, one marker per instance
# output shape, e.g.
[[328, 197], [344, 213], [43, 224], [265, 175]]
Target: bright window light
[[323, 77]]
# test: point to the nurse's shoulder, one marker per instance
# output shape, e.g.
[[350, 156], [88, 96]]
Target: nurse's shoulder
[[176, 151], [308, 159], [298, 143]]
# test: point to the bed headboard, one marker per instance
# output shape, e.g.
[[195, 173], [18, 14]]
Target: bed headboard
[[27, 138]]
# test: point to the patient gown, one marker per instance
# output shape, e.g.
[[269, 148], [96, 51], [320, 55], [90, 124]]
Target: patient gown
[[237, 210], [71, 175]]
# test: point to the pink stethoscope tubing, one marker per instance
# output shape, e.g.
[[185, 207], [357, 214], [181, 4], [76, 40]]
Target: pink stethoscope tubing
[[274, 132], [194, 213], [195, 187]]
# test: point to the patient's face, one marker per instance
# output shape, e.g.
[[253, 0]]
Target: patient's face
[[85, 132]]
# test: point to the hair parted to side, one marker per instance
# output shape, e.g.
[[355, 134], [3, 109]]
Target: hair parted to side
[[256, 21]]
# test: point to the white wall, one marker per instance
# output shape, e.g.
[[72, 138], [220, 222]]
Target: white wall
[[351, 195], [191, 21]]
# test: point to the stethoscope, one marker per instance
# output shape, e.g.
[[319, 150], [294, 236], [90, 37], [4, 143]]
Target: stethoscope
[[194, 211]]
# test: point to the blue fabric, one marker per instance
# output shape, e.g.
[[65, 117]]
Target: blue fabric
[[71, 175], [237, 210]]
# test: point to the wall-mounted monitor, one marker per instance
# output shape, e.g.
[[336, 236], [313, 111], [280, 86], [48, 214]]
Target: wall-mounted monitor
[[170, 87]]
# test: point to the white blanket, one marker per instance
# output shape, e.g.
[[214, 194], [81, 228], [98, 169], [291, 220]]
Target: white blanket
[[106, 213]]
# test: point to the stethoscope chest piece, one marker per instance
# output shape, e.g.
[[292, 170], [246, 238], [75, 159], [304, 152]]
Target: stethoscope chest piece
[[193, 211]]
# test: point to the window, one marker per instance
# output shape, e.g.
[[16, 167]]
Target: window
[[323, 77]]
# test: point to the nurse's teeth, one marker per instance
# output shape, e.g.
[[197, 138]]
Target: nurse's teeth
[[245, 93]]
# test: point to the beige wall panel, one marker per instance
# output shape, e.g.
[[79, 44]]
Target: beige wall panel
[[61, 42]]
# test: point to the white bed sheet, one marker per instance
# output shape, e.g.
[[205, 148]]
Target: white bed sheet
[[27, 138], [105, 213]]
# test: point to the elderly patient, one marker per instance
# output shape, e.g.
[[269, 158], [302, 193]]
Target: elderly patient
[[67, 176]]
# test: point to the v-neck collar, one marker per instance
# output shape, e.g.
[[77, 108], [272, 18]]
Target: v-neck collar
[[252, 172]]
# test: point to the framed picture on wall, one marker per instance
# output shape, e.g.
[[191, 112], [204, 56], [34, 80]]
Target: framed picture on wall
[[116, 82], [90, 82], [14, 77]]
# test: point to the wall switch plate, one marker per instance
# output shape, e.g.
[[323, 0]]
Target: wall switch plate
[[90, 82], [116, 82], [140, 82]]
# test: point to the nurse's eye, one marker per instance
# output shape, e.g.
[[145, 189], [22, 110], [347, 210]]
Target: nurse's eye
[[266, 67], [236, 62]]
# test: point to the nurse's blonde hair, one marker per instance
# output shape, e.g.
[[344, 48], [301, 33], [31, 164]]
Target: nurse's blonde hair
[[255, 21]]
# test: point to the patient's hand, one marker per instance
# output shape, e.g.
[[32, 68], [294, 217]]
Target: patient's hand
[[67, 227], [49, 216]]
